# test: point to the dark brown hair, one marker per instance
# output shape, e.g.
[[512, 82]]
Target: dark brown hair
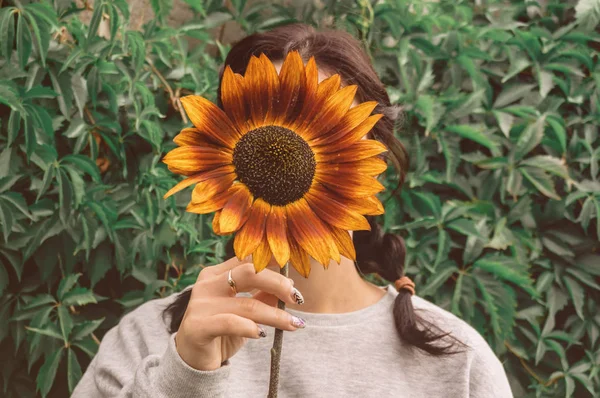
[[377, 252]]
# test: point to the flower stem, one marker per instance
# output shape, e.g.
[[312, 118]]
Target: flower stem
[[276, 350]]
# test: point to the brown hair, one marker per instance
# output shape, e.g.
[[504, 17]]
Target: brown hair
[[377, 252]]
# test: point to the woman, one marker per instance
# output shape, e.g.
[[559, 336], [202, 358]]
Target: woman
[[351, 338]]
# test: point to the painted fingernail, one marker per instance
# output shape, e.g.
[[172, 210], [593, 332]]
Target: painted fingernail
[[298, 322], [297, 296], [262, 332]]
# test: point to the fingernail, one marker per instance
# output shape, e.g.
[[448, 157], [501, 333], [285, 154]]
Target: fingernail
[[262, 332], [297, 296], [298, 322]]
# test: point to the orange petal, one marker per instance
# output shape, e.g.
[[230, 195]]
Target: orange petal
[[261, 256], [299, 259], [196, 159], [292, 80], [194, 179], [358, 151], [332, 113], [344, 242], [309, 231], [208, 188], [312, 81], [191, 136], [352, 136], [211, 120], [312, 106], [335, 213], [271, 88], [215, 223], [350, 185], [236, 211], [369, 206], [352, 119], [213, 204], [277, 234], [232, 97], [249, 237], [369, 166], [254, 91]]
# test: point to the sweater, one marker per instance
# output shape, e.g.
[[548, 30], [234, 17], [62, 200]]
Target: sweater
[[354, 354]]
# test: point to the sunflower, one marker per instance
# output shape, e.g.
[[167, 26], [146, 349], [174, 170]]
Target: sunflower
[[284, 165]]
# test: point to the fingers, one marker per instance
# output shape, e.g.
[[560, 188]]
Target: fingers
[[246, 279], [250, 308], [231, 325]]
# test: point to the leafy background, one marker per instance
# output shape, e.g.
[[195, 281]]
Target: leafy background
[[500, 212]]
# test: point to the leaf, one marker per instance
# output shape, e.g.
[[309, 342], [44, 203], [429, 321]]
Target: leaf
[[548, 163], [42, 36], [466, 227], [84, 164], [540, 180], [7, 219], [85, 328], [23, 41], [529, 138], [441, 276], [65, 196], [65, 321], [50, 331], [577, 295], [473, 134], [79, 296], [7, 31], [66, 284], [511, 94], [3, 278], [161, 8], [10, 97], [508, 269], [73, 370], [47, 372]]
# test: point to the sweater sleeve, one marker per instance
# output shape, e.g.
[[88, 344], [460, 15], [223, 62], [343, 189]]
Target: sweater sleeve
[[125, 368], [487, 378]]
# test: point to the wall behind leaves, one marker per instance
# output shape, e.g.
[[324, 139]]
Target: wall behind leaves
[[500, 211]]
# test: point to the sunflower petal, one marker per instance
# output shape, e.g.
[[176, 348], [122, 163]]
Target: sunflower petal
[[277, 234], [254, 90], [196, 178], [196, 159], [352, 136], [369, 206], [349, 185], [358, 151], [335, 213], [237, 210], [208, 188], [211, 120], [343, 240], [213, 204], [232, 97], [271, 88], [309, 231], [332, 112], [249, 237], [352, 119], [191, 136], [215, 223], [261, 256], [292, 81], [299, 259], [369, 166]]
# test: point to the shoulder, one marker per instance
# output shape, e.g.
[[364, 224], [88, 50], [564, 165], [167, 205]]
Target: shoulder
[[486, 372]]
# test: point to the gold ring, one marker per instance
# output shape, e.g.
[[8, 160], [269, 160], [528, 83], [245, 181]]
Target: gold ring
[[231, 282]]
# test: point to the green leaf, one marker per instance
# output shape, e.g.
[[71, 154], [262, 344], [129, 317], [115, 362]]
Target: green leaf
[[10, 97], [508, 269], [73, 370], [512, 93], [85, 328], [23, 41], [50, 331], [473, 134], [66, 284], [3, 279], [434, 283], [47, 372], [65, 196], [42, 36], [7, 31], [466, 227], [577, 295], [540, 180], [65, 321], [84, 164], [550, 164], [529, 138], [161, 8], [79, 296]]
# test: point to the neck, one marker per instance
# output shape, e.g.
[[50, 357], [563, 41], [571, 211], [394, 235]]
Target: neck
[[337, 289]]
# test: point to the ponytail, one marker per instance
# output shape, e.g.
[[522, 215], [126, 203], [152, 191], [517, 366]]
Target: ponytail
[[384, 254]]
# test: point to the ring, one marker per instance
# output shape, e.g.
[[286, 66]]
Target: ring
[[231, 282]]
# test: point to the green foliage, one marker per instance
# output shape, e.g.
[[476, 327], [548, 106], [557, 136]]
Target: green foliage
[[500, 211]]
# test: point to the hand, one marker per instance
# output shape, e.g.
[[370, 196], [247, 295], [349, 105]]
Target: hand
[[216, 324]]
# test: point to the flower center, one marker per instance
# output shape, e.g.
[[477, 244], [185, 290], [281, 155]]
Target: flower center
[[275, 163]]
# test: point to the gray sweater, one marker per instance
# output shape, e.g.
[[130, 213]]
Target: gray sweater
[[356, 354]]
